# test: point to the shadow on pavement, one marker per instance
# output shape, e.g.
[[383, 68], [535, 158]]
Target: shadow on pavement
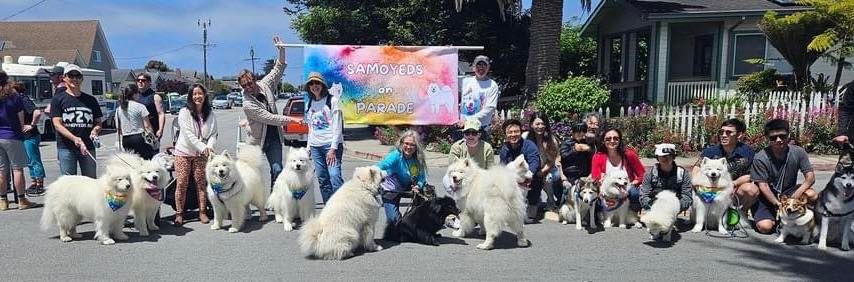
[[804, 262], [659, 244]]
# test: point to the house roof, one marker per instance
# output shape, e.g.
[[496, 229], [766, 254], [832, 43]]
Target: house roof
[[122, 75], [51, 56], [53, 40], [673, 9]]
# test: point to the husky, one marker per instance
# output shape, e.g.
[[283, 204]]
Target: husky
[[713, 190], [582, 199], [836, 202]]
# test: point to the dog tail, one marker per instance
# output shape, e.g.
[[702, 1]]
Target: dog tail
[[275, 199], [309, 237], [48, 218], [252, 156]]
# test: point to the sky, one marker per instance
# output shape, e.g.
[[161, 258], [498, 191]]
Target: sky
[[138, 31]]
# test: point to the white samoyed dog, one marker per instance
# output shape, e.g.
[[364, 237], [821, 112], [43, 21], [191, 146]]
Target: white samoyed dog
[[347, 221], [234, 184], [661, 217], [713, 190], [615, 199], [293, 191], [105, 201], [491, 198], [148, 179]]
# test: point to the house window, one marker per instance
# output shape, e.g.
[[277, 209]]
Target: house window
[[96, 56], [703, 52], [745, 47], [642, 57], [615, 73], [97, 87]]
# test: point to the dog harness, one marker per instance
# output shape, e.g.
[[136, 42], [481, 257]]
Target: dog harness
[[612, 204], [224, 194], [707, 194], [116, 200], [804, 219]]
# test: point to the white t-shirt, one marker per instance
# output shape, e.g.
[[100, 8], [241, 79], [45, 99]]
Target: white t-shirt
[[609, 167], [479, 99], [132, 118], [324, 124]]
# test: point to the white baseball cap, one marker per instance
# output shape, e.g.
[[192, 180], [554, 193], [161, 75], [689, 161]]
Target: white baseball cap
[[665, 149], [72, 67]]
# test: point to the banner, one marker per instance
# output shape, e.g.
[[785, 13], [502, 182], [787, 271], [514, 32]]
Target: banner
[[388, 85]]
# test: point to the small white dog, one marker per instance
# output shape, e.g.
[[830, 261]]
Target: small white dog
[[293, 191], [713, 190], [615, 199], [106, 201], [491, 199], [234, 184], [661, 217], [348, 219], [148, 179]]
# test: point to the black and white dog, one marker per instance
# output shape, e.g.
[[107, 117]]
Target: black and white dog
[[836, 201], [421, 224]]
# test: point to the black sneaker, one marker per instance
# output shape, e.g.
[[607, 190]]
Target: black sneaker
[[35, 191]]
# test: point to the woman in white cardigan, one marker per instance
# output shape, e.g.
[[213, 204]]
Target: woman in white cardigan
[[195, 143]]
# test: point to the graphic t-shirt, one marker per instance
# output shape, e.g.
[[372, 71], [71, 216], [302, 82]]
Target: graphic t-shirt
[[319, 119], [78, 116], [477, 96]]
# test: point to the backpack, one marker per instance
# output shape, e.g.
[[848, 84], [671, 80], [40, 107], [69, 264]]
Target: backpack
[[680, 173]]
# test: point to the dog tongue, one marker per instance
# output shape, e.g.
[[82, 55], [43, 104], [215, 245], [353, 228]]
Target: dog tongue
[[153, 191], [610, 202]]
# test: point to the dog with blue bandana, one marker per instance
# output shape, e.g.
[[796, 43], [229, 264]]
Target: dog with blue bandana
[[293, 191]]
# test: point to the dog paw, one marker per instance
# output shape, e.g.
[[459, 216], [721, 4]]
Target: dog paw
[[215, 226], [524, 243], [697, 229], [374, 248], [578, 227], [153, 227], [822, 247], [638, 225], [622, 226], [279, 219], [723, 231], [232, 230], [65, 239], [108, 241], [289, 227], [458, 233], [484, 246], [845, 247], [121, 236]]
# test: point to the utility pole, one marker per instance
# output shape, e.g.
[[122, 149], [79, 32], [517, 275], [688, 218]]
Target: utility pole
[[252, 58], [205, 45]]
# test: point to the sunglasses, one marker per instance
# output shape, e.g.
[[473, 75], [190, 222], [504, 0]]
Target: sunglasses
[[141, 80], [780, 137], [615, 139], [725, 132], [470, 133], [310, 83]]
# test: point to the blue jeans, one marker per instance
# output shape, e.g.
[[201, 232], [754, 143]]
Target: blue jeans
[[31, 145], [634, 197], [70, 158], [392, 210], [273, 150], [328, 177]]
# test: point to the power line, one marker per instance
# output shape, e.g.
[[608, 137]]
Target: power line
[[159, 54], [23, 10]]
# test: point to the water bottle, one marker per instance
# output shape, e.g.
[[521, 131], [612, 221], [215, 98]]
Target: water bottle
[[96, 142]]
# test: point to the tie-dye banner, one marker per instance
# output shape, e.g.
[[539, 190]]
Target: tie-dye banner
[[390, 85]]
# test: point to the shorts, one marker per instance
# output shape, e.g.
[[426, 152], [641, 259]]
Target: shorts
[[763, 209], [12, 153]]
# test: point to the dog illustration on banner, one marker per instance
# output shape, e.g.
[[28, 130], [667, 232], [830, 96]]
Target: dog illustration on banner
[[439, 97]]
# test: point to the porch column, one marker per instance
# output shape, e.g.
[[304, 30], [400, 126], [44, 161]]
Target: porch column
[[662, 61], [724, 59]]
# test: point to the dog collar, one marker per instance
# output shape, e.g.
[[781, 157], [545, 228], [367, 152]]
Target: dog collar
[[803, 220], [115, 200], [298, 194], [224, 194], [707, 194]]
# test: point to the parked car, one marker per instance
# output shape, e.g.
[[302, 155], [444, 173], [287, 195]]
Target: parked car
[[221, 102], [108, 109], [296, 133], [176, 103], [238, 101]]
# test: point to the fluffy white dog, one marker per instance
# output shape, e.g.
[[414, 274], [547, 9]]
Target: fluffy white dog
[[660, 218], [234, 184], [105, 201], [615, 199], [491, 199], [148, 179], [293, 191], [712, 194], [347, 222]]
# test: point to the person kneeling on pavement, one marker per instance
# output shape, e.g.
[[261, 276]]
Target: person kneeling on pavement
[[406, 168], [575, 157], [515, 145], [471, 147], [666, 175]]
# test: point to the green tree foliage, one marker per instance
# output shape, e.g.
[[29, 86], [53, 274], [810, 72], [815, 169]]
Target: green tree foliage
[[577, 54], [756, 83], [837, 41], [288, 88], [791, 35], [157, 65], [421, 22], [576, 94]]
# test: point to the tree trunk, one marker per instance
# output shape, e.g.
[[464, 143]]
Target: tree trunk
[[544, 51], [840, 64]]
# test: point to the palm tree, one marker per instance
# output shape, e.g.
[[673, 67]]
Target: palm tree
[[544, 51]]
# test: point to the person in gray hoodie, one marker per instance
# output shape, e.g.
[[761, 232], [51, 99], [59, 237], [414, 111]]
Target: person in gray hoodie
[[666, 175]]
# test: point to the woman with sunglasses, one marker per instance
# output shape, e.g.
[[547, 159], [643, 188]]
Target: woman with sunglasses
[[613, 155], [325, 134], [406, 167]]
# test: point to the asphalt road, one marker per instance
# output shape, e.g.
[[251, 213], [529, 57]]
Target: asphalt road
[[263, 251]]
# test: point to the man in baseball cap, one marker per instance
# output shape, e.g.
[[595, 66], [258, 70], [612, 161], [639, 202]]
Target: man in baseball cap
[[479, 96], [666, 175]]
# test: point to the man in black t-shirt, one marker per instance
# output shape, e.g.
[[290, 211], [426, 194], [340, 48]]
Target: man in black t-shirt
[[76, 118]]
